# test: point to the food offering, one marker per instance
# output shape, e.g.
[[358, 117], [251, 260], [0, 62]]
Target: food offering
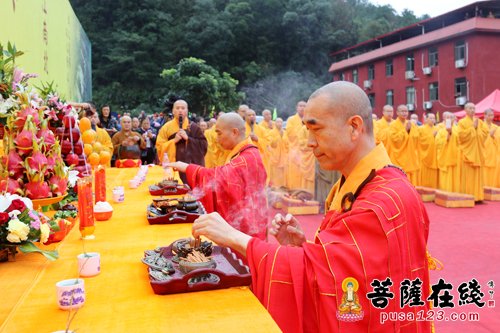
[[190, 264], [169, 187], [168, 210]]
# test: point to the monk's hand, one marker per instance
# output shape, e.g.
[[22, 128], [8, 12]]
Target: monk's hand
[[254, 137], [179, 166], [177, 137], [476, 122], [287, 230], [215, 228], [183, 134], [408, 125]]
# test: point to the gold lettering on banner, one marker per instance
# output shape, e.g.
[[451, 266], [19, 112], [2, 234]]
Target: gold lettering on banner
[[45, 38]]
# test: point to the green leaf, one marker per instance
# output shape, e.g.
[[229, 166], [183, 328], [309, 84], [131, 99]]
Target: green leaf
[[29, 247]]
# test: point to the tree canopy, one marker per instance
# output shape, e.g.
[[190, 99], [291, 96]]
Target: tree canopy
[[255, 42]]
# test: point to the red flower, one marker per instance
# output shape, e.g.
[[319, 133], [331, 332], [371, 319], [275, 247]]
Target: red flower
[[4, 217], [17, 204]]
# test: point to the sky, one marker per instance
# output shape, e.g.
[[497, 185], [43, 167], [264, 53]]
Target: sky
[[421, 7]]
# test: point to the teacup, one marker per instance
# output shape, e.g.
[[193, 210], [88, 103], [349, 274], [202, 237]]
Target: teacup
[[89, 264], [70, 293]]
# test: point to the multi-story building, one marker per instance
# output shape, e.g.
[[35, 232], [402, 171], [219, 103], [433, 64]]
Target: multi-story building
[[434, 65]]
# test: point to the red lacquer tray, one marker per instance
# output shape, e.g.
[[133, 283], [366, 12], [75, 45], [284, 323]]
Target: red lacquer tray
[[230, 272], [177, 216], [169, 190]]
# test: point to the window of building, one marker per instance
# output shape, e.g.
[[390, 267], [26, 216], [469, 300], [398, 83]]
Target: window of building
[[410, 62], [433, 56], [389, 97], [460, 50], [389, 70], [355, 77], [371, 97], [433, 91], [461, 87], [410, 95], [371, 72], [342, 76]]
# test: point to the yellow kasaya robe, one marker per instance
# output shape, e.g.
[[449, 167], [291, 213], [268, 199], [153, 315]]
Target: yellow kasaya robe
[[277, 158], [491, 152], [294, 176], [448, 157], [216, 155], [263, 143], [403, 149], [381, 131], [163, 144], [471, 143], [267, 150], [307, 165], [428, 156]]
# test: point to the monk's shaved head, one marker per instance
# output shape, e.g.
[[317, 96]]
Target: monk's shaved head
[[232, 120], [346, 100]]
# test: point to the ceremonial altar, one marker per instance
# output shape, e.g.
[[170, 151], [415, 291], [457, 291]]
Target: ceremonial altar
[[120, 298]]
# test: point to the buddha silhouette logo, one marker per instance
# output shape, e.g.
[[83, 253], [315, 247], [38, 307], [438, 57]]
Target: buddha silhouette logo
[[350, 309]]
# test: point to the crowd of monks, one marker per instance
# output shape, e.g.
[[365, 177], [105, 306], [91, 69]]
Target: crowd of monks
[[455, 156], [288, 161]]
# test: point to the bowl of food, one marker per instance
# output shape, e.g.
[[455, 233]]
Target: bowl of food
[[102, 211]]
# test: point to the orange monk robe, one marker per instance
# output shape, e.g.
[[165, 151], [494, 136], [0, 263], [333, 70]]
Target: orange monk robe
[[267, 149], [277, 159], [428, 156], [383, 235], [216, 155], [471, 144], [294, 176], [491, 151], [262, 143], [448, 157], [403, 148], [307, 165], [236, 190], [381, 131], [191, 151]]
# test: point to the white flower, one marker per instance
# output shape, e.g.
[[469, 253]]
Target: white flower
[[18, 231], [14, 213], [72, 176], [5, 106], [44, 232], [7, 198]]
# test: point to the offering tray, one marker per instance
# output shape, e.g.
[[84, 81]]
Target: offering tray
[[169, 187], [173, 214], [229, 272]]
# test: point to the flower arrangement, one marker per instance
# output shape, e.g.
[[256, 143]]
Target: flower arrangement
[[21, 226], [32, 158]]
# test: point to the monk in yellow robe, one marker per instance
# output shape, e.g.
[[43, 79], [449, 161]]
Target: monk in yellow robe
[[278, 156], [267, 126], [403, 141], [307, 165], [293, 127], [491, 151], [448, 154], [181, 139], [472, 134], [427, 152], [216, 155], [381, 128], [259, 138]]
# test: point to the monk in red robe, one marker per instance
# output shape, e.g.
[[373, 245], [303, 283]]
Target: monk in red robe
[[236, 189], [369, 248]]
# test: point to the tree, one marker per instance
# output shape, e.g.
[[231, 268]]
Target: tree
[[203, 87]]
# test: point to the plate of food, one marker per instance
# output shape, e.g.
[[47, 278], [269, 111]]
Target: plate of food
[[169, 211], [168, 187], [188, 265]]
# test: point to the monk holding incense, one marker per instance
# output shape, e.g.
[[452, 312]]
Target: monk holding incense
[[371, 242]]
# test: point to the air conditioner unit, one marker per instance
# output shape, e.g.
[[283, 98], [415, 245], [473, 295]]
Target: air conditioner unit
[[411, 107], [427, 70], [461, 100], [460, 63], [428, 105], [409, 75], [367, 84]]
